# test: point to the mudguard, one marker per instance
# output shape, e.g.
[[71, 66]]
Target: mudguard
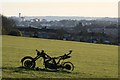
[[27, 57]]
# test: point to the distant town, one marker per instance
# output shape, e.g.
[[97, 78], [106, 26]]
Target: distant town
[[82, 29]]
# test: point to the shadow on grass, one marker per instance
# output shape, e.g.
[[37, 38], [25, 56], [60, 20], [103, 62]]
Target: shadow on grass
[[23, 70], [13, 69]]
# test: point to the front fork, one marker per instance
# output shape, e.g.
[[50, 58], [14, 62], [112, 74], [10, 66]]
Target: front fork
[[37, 57]]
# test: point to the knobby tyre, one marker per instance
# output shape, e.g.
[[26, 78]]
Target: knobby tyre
[[28, 62]]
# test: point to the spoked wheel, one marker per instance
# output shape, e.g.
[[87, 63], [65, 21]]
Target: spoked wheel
[[28, 62], [68, 66]]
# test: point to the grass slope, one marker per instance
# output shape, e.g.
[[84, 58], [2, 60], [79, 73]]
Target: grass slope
[[90, 60]]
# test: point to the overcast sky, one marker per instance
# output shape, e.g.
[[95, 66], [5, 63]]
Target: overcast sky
[[86, 8]]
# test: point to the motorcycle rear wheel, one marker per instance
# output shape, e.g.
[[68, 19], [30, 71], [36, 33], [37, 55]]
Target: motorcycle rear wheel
[[68, 66]]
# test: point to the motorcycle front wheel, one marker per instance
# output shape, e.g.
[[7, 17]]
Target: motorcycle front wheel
[[28, 62], [68, 66]]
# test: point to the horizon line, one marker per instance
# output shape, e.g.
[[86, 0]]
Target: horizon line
[[61, 16]]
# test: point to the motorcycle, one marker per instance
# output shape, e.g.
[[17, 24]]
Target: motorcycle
[[49, 62]]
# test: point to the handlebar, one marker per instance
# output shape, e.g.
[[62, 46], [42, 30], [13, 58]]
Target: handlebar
[[37, 50], [42, 53]]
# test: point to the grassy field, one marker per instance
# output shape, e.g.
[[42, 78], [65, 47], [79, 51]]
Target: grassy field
[[90, 60]]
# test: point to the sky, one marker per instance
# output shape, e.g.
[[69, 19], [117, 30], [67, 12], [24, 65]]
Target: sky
[[84, 8]]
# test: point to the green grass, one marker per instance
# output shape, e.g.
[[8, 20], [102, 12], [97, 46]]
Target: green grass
[[90, 60]]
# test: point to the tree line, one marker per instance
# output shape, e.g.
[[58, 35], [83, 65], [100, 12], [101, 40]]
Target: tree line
[[9, 26]]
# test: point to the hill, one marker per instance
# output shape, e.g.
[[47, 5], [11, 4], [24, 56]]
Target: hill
[[90, 60]]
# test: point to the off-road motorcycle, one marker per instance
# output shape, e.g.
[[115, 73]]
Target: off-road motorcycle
[[49, 62]]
